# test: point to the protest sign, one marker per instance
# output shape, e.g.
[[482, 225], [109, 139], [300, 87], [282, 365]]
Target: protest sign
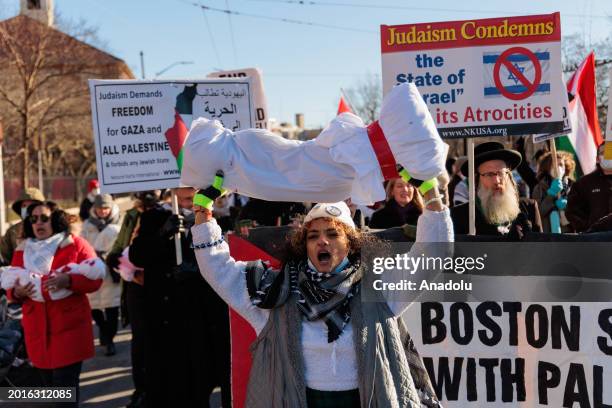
[[567, 125], [489, 77], [257, 91], [480, 353], [140, 126], [499, 354]]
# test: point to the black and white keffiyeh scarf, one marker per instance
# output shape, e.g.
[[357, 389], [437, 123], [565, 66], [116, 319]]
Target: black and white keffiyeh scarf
[[320, 295]]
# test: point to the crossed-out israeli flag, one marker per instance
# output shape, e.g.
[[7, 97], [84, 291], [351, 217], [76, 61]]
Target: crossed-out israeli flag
[[511, 82]]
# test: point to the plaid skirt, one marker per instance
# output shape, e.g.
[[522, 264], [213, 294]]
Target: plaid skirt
[[332, 399]]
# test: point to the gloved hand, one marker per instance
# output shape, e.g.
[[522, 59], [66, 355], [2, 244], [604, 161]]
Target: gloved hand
[[206, 197], [561, 203], [555, 187], [423, 186], [112, 260], [173, 225], [520, 226]]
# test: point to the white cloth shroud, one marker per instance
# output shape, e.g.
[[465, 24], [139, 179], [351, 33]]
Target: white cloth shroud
[[92, 268], [338, 164]]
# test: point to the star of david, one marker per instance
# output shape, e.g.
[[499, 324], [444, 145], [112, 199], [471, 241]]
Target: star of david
[[512, 77]]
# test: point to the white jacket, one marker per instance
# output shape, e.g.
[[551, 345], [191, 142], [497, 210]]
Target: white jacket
[[329, 366], [109, 294]]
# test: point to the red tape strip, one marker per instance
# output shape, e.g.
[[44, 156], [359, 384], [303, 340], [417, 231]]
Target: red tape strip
[[383, 152]]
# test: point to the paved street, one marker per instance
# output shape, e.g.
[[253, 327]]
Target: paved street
[[106, 382]]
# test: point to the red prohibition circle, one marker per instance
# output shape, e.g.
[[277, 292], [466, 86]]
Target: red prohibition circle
[[531, 86]]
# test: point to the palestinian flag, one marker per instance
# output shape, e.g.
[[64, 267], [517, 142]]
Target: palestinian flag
[[183, 113], [586, 134], [256, 246]]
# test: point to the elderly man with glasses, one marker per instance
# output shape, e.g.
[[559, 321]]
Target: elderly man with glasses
[[499, 210]]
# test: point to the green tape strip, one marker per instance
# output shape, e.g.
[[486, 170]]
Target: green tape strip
[[203, 201], [218, 182], [428, 185], [404, 174]]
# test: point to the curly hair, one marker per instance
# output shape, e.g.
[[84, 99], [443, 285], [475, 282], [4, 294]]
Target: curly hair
[[545, 164], [60, 219], [296, 243]]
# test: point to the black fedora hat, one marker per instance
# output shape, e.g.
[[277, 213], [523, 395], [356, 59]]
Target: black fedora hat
[[493, 151]]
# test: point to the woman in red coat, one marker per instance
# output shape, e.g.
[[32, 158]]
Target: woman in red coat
[[56, 313]]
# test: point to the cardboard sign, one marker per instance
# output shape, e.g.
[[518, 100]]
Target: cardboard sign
[[519, 354], [257, 91], [490, 77], [140, 126], [567, 125]]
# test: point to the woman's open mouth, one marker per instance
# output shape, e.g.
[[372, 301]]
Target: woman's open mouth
[[324, 257]]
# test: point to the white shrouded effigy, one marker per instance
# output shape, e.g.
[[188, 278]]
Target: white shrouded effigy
[[339, 163]]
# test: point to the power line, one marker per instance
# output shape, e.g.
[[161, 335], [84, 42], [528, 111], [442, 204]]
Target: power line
[[212, 38], [231, 27], [311, 74], [284, 20], [394, 7]]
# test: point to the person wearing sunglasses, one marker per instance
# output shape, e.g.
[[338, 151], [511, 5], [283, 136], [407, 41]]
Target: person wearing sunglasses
[[499, 210], [58, 329], [12, 236]]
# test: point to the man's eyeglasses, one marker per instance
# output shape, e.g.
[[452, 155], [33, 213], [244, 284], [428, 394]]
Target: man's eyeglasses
[[501, 174], [43, 218]]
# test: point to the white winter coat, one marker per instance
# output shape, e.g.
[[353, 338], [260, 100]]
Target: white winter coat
[[109, 294]]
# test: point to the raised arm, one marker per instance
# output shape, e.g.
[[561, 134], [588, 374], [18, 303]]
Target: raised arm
[[224, 274], [434, 226]]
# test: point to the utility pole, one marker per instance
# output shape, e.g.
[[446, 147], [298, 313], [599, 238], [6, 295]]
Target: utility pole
[[142, 64]]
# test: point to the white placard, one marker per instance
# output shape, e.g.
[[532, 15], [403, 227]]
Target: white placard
[[515, 354], [482, 78], [140, 126], [257, 91]]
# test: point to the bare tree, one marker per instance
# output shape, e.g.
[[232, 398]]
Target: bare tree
[[366, 97], [574, 50], [44, 96]]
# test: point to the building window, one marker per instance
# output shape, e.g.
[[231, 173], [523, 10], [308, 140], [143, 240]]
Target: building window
[[33, 4]]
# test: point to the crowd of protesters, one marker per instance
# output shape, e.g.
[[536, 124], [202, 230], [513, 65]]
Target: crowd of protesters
[[513, 197], [122, 268]]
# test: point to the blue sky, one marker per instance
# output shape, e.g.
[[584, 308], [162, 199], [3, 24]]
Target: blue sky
[[304, 66]]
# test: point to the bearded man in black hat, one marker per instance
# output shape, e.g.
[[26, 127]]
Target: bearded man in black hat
[[499, 210]]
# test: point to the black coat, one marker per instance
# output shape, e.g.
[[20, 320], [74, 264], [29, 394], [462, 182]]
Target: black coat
[[394, 215], [86, 205], [187, 341], [268, 213], [589, 199], [528, 219]]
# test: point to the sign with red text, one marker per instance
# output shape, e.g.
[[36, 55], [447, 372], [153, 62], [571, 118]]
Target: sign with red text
[[489, 77]]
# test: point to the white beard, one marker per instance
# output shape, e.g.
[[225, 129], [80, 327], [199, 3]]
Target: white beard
[[499, 208]]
